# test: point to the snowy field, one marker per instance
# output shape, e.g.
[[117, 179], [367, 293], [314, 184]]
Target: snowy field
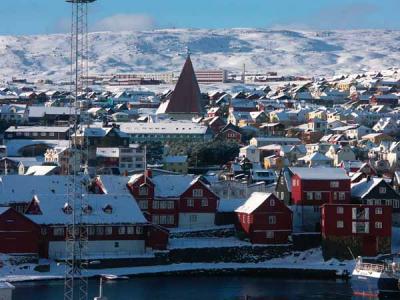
[[287, 52]]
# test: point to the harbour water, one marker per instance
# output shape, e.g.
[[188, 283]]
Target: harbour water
[[197, 288]]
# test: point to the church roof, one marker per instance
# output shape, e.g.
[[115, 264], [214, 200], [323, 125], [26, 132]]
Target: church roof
[[186, 98]]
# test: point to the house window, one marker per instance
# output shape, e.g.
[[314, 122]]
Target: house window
[[109, 230], [382, 190], [395, 203], [51, 134], [156, 204], [43, 134], [170, 204], [197, 193], [193, 218], [163, 204], [156, 219], [334, 184], [91, 230], [339, 224], [272, 202], [309, 196], [170, 219], [318, 196], [121, 230], [248, 219], [204, 202], [378, 210], [58, 231], [270, 234], [116, 244], [163, 219], [272, 220], [43, 231], [190, 202], [143, 191], [130, 230], [378, 225], [339, 210], [143, 204], [342, 196], [139, 230], [100, 230]]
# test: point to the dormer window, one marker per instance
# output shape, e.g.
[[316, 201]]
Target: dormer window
[[143, 190], [87, 209], [67, 209], [108, 209]]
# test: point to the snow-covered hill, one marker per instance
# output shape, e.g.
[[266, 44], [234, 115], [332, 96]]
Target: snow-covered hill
[[287, 52]]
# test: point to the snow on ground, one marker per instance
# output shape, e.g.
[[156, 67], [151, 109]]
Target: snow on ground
[[285, 51], [311, 259]]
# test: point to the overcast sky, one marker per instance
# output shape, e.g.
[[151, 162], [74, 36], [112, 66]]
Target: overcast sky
[[52, 16]]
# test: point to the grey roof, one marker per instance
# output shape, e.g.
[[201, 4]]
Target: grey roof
[[320, 173]]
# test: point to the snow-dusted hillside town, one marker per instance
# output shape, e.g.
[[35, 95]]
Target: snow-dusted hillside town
[[243, 172]]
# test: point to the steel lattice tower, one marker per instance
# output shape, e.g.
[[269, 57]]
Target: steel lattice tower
[[76, 284]]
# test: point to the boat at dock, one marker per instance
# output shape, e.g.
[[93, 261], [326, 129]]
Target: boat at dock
[[374, 278]]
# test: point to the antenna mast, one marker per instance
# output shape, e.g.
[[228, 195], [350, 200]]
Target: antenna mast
[[76, 284]]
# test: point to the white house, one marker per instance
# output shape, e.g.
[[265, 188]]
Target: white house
[[251, 152]]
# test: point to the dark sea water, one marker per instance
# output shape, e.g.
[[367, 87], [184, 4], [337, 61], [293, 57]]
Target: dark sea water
[[197, 288]]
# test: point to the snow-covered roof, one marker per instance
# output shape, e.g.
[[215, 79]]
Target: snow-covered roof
[[229, 205], [15, 145], [163, 128], [59, 129], [320, 173], [114, 185], [107, 152], [362, 188], [21, 188], [251, 204], [124, 210], [39, 170], [172, 185]]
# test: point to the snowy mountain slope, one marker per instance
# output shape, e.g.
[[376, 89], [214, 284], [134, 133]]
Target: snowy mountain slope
[[287, 52]]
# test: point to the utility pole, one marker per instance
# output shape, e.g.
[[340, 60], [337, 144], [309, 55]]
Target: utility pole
[[76, 236]]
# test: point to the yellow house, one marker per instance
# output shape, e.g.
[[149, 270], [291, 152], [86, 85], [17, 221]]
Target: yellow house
[[176, 163]]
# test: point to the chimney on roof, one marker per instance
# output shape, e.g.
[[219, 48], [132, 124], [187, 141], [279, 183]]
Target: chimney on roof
[[368, 178]]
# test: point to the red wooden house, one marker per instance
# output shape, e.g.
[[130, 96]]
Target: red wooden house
[[230, 133], [265, 219], [18, 234], [365, 229], [313, 187], [175, 200]]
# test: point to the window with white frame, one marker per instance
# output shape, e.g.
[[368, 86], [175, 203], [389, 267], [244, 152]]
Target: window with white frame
[[272, 220], [197, 193], [139, 230], [309, 195], [318, 195], [156, 219], [170, 219], [270, 234], [100, 230], [339, 210], [130, 230], [378, 225], [163, 219], [204, 202], [163, 204], [272, 202], [91, 230], [339, 224], [121, 230], [378, 210], [170, 204], [58, 231], [109, 230], [190, 202], [143, 204], [156, 204], [395, 203], [334, 184], [382, 190], [143, 190], [342, 196]]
